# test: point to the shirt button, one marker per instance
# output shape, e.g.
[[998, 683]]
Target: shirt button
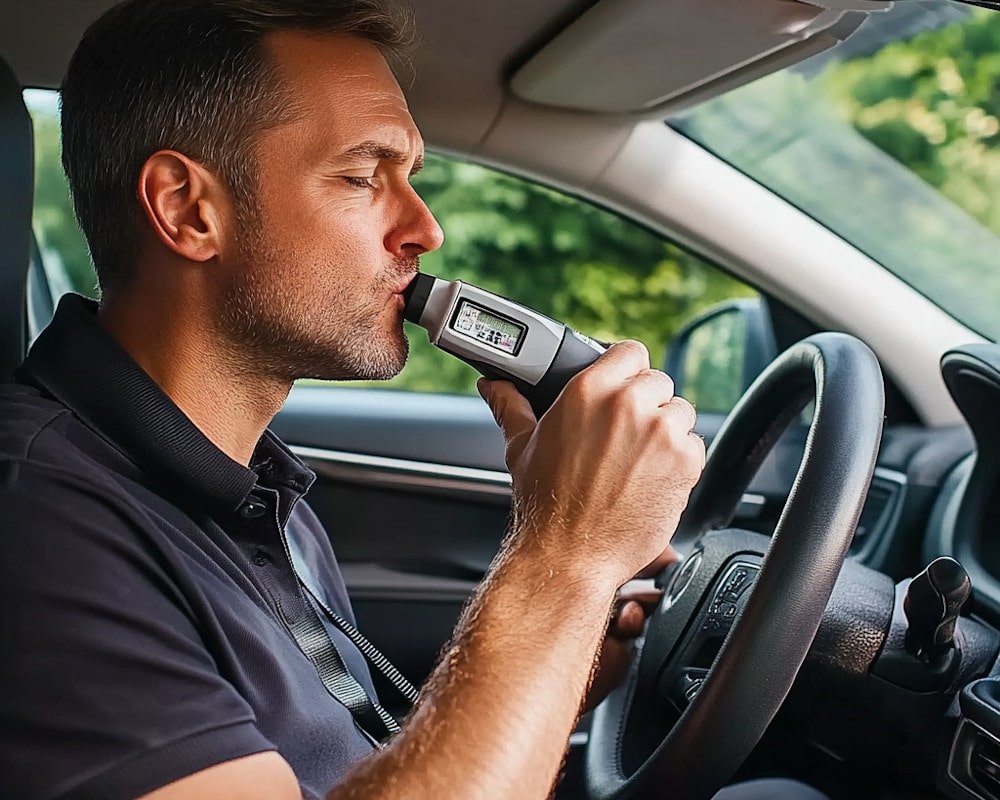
[[261, 557], [252, 509]]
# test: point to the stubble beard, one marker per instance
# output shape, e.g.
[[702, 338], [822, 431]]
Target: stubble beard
[[273, 332]]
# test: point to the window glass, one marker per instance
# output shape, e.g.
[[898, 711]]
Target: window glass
[[714, 357], [605, 276], [65, 256], [891, 140]]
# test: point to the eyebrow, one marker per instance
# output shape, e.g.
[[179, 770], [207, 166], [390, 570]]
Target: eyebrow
[[383, 152]]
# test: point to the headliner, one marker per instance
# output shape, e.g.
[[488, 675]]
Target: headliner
[[466, 51]]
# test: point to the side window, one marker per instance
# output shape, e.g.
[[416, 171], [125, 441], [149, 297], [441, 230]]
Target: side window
[[605, 276], [63, 250], [601, 274]]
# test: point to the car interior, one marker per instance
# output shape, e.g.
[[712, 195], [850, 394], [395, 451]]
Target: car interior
[[836, 615]]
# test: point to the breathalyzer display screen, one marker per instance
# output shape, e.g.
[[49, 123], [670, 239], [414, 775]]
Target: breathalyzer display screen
[[484, 326]]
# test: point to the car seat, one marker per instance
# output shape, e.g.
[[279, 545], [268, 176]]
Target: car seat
[[16, 194]]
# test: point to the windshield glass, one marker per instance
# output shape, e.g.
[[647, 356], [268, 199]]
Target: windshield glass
[[892, 141]]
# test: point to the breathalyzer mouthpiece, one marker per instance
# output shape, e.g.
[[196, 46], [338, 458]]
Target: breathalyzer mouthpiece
[[416, 295]]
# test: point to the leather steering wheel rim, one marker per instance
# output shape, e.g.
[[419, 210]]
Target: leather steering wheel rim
[[762, 654]]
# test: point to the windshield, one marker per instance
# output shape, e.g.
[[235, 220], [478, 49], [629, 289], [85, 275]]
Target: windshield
[[892, 141]]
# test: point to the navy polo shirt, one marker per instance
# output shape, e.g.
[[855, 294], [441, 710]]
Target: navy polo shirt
[[147, 587]]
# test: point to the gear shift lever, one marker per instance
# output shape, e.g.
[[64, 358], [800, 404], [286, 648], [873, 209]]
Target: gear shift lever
[[932, 603]]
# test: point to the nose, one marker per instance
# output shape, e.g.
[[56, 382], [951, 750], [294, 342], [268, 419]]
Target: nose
[[417, 231]]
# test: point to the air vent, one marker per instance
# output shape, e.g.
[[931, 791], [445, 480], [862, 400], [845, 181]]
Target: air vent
[[879, 509], [974, 762], [985, 765]]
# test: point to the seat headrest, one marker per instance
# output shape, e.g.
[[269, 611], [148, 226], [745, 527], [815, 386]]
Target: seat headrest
[[16, 194]]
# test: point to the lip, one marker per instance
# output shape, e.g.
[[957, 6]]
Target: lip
[[399, 288]]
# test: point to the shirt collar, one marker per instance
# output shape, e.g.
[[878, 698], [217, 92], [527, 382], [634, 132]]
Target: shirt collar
[[83, 367]]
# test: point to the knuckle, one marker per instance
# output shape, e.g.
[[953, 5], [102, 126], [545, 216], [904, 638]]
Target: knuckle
[[585, 385], [635, 349], [693, 463], [685, 411], [627, 400], [667, 381], [697, 450]]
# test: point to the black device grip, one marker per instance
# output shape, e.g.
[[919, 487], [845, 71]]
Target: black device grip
[[573, 356]]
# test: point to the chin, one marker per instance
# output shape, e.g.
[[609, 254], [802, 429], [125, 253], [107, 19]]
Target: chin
[[381, 363]]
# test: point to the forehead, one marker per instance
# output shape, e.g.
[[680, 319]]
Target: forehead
[[343, 90]]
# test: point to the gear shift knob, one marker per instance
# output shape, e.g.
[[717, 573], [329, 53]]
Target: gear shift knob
[[932, 603]]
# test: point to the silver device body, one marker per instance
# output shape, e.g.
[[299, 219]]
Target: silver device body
[[534, 354], [501, 339]]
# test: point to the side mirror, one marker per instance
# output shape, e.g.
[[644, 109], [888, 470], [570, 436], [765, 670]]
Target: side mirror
[[715, 357]]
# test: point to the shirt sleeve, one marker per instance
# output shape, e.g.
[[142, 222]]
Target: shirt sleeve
[[107, 688]]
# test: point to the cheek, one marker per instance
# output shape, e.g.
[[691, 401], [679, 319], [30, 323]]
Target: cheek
[[324, 242], [348, 228]]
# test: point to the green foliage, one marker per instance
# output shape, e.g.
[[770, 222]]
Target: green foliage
[[933, 104], [599, 273], [895, 151], [58, 235]]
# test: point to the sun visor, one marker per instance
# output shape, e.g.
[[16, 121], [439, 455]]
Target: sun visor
[[652, 56]]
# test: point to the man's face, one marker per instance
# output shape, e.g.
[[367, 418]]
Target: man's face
[[314, 288]]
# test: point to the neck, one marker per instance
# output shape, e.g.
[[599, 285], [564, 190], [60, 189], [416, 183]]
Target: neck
[[179, 349]]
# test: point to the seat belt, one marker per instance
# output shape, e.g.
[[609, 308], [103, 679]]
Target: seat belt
[[374, 722], [371, 653], [314, 641]]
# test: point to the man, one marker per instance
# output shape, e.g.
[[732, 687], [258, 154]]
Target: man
[[241, 171]]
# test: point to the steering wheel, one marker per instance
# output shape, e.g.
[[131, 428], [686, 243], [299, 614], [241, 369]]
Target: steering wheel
[[739, 614]]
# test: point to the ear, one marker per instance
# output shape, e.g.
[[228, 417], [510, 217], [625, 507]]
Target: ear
[[185, 205]]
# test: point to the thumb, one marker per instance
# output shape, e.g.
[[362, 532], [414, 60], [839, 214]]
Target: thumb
[[510, 408]]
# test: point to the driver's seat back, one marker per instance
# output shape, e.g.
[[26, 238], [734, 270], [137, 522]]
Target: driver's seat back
[[16, 195]]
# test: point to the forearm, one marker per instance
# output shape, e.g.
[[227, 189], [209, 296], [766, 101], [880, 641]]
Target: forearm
[[495, 717]]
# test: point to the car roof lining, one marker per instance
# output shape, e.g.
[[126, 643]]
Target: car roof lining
[[551, 52]]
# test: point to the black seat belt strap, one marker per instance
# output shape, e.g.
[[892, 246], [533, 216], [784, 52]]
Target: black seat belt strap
[[373, 655], [314, 641]]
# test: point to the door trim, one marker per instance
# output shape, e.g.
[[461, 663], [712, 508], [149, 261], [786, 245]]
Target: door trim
[[399, 473]]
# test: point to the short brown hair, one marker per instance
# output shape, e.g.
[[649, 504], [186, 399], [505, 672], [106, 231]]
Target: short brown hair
[[191, 76]]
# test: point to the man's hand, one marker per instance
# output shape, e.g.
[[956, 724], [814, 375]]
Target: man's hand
[[636, 601], [601, 479]]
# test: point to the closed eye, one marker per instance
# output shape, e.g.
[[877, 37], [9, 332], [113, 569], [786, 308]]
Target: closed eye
[[360, 182]]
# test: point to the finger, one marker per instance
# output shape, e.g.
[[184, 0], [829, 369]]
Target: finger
[[510, 408], [652, 387], [627, 623], [680, 413], [644, 592], [620, 362], [660, 563]]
